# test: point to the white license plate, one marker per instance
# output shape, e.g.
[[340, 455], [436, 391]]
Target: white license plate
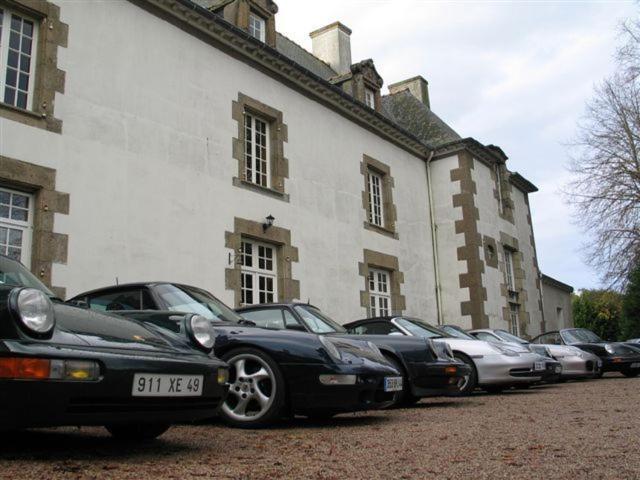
[[635, 365], [393, 384], [145, 385], [538, 366]]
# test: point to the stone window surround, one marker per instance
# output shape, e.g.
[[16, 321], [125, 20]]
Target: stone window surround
[[501, 174], [47, 247], [388, 208], [238, 13], [278, 135], [52, 33], [507, 242], [490, 251], [372, 259], [288, 288]]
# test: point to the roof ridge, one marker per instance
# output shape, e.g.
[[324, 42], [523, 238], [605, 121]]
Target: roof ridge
[[304, 49]]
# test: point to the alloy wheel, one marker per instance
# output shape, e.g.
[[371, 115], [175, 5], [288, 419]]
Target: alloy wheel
[[253, 388]]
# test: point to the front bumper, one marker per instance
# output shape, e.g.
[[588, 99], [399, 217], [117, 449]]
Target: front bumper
[[620, 364], [49, 403], [431, 379], [307, 394], [578, 367], [507, 370]]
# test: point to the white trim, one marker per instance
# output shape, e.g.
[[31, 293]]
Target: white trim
[[257, 27], [375, 183], [370, 98], [253, 153], [379, 285], [26, 227], [5, 25], [508, 270], [259, 267], [513, 319]]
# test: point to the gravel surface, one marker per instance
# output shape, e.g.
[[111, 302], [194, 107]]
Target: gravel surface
[[573, 430]]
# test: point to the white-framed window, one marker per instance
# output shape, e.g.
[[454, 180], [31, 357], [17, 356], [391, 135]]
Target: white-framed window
[[375, 185], [370, 98], [257, 27], [513, 319], [256, 150], [18, 40], [258, 274], [379, 293], [16, 225], [508, 270]]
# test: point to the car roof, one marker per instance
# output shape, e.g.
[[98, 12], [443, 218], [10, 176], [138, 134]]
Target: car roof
[[274, 305], [132, 285], [386, 318]]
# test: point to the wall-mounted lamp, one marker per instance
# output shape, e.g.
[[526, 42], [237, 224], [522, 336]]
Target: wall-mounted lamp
[[268, 223]]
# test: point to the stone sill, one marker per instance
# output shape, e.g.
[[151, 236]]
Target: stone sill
[[270, 192]]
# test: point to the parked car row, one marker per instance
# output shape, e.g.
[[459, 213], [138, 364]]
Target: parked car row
[[137, 358]]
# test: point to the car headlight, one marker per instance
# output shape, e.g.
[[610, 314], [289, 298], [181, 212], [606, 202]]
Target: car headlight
[[503, 350], [201, 332], [331, 349], [34, 311], [610, 349]]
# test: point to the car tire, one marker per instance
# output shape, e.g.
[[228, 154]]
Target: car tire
[[472, 381], [137, 432], [403, 398], [257, 395], [631, 373]]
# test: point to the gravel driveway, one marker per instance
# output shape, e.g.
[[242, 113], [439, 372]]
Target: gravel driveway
[[574, 430]]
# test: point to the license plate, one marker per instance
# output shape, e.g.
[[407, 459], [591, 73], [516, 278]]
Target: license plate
[[392, 384], [635, 365], [538, 366], [558, 369], [145, 385]]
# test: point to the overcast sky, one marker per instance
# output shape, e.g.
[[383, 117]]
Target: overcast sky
[[514, 74]]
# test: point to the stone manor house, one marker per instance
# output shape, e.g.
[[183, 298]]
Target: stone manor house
[[190, 141]]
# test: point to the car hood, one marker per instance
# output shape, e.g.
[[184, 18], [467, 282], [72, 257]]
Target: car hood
[[471, 347], [83, 327]]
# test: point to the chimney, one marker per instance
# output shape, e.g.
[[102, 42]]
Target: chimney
[[332, 44], [417, 86]]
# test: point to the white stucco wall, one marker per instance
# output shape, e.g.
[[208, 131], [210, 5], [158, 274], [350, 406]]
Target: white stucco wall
[[554, 299], [146, 155]]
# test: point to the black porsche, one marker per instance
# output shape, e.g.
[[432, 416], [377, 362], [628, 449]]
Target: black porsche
[[65, 366], [273, 373], [615, 356], [428, 367]]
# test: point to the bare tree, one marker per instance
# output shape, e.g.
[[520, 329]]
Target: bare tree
[[606, 188]]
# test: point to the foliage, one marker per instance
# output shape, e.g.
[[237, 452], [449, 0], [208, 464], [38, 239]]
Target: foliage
[[605, 190], [630, 325], [599, 311]]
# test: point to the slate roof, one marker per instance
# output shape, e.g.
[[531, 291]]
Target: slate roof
[[414, 116], [295, 52]]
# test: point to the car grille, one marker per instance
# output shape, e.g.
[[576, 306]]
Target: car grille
[[119, 405]]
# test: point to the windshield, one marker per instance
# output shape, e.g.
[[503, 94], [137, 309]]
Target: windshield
[[15, 274], [316, 321], [193, 300], [580, 335], [419, 328], [454, 332], [507, 337]]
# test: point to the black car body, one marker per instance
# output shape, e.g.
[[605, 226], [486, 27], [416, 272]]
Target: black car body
[[615, 356], [90, 368], [301, 361], [429, 369]]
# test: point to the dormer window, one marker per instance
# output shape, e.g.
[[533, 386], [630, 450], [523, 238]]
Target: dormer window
[[257, 27], [370, 98]]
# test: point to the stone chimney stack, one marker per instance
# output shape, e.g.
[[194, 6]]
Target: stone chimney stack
[[417, 86], [332, 44]]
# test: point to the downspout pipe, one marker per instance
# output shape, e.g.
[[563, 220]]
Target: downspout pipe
[[434, 240]]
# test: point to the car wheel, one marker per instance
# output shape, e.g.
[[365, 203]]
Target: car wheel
[[257, 394], [470, 381], [404, 397], [631, 373], [138, 432]]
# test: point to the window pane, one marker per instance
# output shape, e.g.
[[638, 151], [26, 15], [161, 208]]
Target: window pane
[[19, 214], [9, 95], [12, 77], [15, 238], [13, 252], [5, 197], [16, 23], [4, 211], [21, 100], [25, 63], [27, 28], [14, 40], [3, 235], [18, 200], [12, 59]]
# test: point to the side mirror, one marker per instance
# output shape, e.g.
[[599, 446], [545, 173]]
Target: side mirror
[[296, 327]]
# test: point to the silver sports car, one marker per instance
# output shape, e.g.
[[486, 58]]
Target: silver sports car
[[493, 367], [576, 363]]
